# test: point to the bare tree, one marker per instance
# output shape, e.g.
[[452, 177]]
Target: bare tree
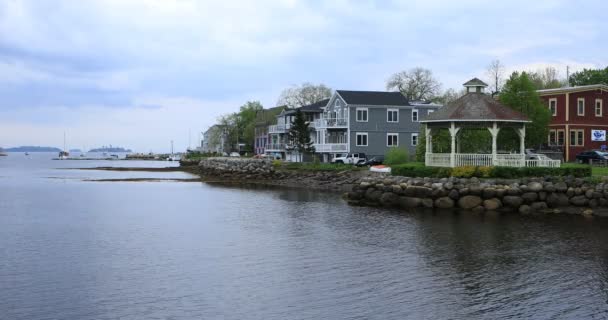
[[449, 96], [304, 94], [415, 84], [496, 72], [547, 78]]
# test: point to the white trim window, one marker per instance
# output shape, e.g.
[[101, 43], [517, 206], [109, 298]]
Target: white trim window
[[577, 137], [580, 106], [599, 106], [553, 106], [392, 115], [392, 139], [414, 139], [361, 140], [414, 115], [362, 114]]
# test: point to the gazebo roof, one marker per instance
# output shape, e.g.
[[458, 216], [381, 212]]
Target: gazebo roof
[[475, 107], [475, 82]]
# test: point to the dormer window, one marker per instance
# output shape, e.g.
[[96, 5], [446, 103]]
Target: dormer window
[[475, 86]]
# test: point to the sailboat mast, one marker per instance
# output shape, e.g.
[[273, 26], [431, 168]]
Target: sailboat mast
[[64, 141]]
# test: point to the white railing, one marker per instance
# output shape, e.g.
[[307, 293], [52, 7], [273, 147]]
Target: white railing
[[472, 159], [275, 147], [437, 159], [331, 123], [278, 128], [331, 147], [485, 160]]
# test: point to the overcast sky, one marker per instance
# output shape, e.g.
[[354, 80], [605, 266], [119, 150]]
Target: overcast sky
[[139, 73]]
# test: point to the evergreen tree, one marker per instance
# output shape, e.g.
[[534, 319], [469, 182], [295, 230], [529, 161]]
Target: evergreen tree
[[299, 135]]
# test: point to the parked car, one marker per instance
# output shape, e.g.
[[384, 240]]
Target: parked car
[[585, 156], [351, 158], [373, 161], [235, 154]]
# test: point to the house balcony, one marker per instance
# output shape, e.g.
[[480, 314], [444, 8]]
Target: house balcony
[[331, 147], [487, 160], [330, 123], [275, 147], [279, 128]]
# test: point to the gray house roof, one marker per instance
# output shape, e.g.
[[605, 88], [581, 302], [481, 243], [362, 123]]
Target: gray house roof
[[475, 106], [315, 107], [375, 98]]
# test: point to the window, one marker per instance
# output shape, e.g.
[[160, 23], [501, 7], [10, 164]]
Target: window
[[577, 138], [598, 108], [556, 137], [580, 107], [414, 139], [361, 114], [392, 139], [553, 106], [414, 115], [552, 137], [561, 137], [361, 139], [392, 115]]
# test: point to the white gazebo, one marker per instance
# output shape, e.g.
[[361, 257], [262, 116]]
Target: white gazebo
[[481, 111]]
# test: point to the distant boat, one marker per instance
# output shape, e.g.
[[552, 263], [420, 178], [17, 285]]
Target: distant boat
[[64, 155], [2, 154], [27, 153]]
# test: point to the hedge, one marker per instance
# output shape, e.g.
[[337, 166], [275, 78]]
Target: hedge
[[419, 170]]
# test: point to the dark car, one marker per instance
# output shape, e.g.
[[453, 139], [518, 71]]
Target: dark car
[[373, 161], [585, 156]]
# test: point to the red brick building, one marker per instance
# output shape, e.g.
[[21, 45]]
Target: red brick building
[[579, 118]]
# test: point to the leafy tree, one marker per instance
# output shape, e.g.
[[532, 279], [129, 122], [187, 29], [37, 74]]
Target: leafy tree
[[519, 93], [299, 135], [415, 84], [547, 78], [449, 96], [589, 76], [304, 94], [247, 116]]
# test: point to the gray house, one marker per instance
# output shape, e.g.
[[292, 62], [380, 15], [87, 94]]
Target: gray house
[[371, 122], [215, 140]]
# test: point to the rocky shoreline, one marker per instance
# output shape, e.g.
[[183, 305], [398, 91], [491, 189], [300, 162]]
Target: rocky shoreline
[[526, 196], [546, 195], [262, 172]]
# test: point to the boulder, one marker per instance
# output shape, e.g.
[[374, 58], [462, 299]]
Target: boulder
[[409, 202], [589, 194], [469, 202], [489, 193], [444, 203], [529, 197], [535, 186], [539, 206], [373, 194], [512, 201], [579, 201], [561, 186], [454, 194], [389, 199], [427, 202], [555, 200], [525, 209], [492, 204]]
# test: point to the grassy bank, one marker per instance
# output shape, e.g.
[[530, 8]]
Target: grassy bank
[[315, 166], [418, 169]]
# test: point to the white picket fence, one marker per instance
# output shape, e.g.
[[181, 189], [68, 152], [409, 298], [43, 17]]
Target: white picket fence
[[486, 160]]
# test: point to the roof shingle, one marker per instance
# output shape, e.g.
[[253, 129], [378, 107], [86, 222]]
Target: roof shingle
[[375, 98], [475, 107]]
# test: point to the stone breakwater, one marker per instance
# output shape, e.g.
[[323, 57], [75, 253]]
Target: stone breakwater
[[526, 196], [263, 172]]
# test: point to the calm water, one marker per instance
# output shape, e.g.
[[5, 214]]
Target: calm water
[[74, 249]]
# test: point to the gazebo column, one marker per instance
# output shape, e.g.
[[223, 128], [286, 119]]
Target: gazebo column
[[429, 140], [522, 144], [494, 132], [453, 132]]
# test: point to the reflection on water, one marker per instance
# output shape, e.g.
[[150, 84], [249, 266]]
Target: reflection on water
[[74, 249]]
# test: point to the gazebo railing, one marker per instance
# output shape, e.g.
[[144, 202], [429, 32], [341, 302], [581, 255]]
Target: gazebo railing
[[437, 159], [472, 159], [486, 160]]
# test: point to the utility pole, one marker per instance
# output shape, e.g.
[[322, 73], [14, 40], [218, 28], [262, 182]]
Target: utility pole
[[567, 76]]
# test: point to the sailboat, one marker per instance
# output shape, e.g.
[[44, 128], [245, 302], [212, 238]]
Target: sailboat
[[2, 153], [173, 157], [63, 155]]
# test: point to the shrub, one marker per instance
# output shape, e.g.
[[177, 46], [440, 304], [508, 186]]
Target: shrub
[[464, 172], [277, 163], [484, 172], [396, 156], [417, 170]]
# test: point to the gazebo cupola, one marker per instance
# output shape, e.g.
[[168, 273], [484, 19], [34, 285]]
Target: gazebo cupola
[[475, 85], [477, 110]]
